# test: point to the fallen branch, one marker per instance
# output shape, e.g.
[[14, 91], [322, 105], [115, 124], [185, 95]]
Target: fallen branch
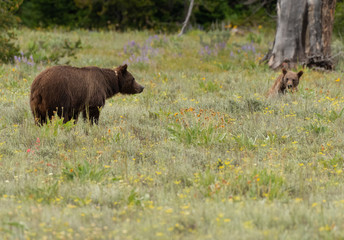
[[319, 62]]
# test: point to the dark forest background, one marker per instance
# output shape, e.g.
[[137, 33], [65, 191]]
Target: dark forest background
[[158, 15], [122, 15], [161, 15]]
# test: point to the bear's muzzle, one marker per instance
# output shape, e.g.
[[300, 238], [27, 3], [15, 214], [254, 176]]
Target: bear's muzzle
[[138, 88], [141, 89]]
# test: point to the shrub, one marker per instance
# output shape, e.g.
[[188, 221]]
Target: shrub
[[7, 21], [339, 18]]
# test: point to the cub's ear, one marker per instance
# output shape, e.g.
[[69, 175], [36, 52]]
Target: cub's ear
[[284, 71], [123, 68], [299, 74]]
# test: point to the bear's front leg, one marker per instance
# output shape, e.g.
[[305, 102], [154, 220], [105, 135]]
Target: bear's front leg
[[92, 114]]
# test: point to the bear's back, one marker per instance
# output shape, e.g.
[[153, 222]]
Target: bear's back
[[69, 86], [67, 78]]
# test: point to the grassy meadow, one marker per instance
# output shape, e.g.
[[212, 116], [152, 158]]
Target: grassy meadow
[[200, 154]]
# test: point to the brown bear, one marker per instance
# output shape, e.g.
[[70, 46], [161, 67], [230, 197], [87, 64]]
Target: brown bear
[[67, 91], [288, 80]]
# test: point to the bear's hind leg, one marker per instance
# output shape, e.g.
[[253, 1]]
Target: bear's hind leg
[[38, 109], [40, 119]]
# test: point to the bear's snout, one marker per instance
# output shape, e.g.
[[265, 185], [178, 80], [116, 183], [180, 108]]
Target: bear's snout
[[141, 89], [290, 84], [138, 88]]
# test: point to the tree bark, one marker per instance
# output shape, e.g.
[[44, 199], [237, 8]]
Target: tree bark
[[304, 31], [327, 20]]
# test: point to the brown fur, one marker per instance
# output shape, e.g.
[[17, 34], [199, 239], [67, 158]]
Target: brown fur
[[70, 90], [288, 80]]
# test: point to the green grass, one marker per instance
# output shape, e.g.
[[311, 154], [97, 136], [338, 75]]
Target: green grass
[[200, 154]]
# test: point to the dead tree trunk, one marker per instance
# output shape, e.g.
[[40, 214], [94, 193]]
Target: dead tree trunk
[[304, 31], [187, 18]]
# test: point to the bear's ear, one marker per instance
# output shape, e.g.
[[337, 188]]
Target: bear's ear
[[284, 71], [123, 68], [299, 74]]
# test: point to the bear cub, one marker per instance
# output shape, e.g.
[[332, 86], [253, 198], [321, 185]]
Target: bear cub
[[67, 91], [287, 81]]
